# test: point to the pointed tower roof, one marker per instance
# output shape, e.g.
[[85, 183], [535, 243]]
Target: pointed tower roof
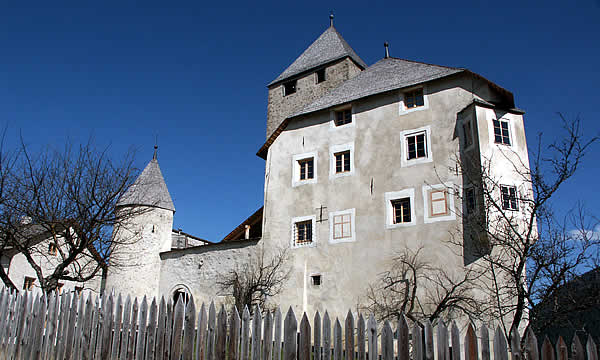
[[330, 46], [149, 189]]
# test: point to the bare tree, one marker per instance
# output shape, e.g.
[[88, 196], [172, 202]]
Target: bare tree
[[522, 248], [254, 281], [413, 286], [58, 209]]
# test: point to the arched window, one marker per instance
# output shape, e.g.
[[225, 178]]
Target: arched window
[[181, 292]]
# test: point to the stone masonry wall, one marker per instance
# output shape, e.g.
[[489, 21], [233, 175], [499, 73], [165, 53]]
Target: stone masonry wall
[[307, 91]]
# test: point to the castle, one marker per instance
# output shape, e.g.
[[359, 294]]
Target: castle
[[360, 162]]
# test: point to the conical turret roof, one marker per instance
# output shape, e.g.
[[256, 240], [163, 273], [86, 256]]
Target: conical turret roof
[[330, 46], [149, 189]]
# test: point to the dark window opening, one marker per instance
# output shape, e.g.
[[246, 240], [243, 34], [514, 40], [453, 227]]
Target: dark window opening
[[470, 200], [320, 76], [52, 250], [306, 169], [413, 98], [28, 283], [509, 197], [316, 280], [401, 210], [181, 294], [343, 117], [416, 146], [468, 133], [303, 232], [289, 88]]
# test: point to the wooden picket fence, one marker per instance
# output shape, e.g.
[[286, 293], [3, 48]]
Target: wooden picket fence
[[74, 327]]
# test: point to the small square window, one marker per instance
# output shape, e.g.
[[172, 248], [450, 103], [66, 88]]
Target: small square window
[[470, 200], [303, 232], [416, 146], [509, 197], [28, 283], [342, 161], [52, 250], [316, 280], [343, 117], [468, 134], [289, 88], [342, 226], [320, 75], [501, 133], [401, 210], [306, 168], [438, 203], [413, 98]]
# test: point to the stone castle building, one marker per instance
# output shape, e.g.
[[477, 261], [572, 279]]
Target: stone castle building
[[360, 162]]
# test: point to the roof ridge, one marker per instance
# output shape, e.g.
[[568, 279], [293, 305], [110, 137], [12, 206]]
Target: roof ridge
[[424, 63], [329, 46]]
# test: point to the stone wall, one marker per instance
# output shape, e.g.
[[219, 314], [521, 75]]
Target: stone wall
[[307, 90], [197, 269]]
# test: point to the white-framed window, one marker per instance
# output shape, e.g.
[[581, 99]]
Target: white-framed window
[[508, 194], [400, 208], [304, 169], [341, 160], [342, 117], [501, 131], [415, 146], [413, 99], [341, 226], [467, 133], [303, 231], [439, 203]]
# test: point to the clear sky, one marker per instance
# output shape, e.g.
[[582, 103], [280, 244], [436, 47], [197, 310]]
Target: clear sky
[[195, 74]]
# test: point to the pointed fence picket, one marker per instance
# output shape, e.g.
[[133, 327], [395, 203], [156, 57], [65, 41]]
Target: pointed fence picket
[[68, 326]]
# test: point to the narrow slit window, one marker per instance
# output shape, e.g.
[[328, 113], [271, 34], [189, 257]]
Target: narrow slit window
[[468, 134], [342, 161], [401, 208], [501, 132], [470, 200]]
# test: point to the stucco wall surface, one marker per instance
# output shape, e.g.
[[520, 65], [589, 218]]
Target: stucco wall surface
[[197, 269], [135, 264], [348, 268]]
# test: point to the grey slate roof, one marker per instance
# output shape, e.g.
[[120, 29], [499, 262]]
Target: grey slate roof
[[149, 189], [386, 74], [330, 46]]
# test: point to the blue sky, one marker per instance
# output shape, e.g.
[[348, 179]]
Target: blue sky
[[195, 74]]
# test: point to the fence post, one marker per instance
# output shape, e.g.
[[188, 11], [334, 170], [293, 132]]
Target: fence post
[[387, 342], [234, 335], [592, 351], [189, 327], [471, 351], [500, 345], [455, 336], [317, 336], [337, 340], [562, 353], [256, 333], [304, 352], [326, 337], [290, 327], [221, 335]]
